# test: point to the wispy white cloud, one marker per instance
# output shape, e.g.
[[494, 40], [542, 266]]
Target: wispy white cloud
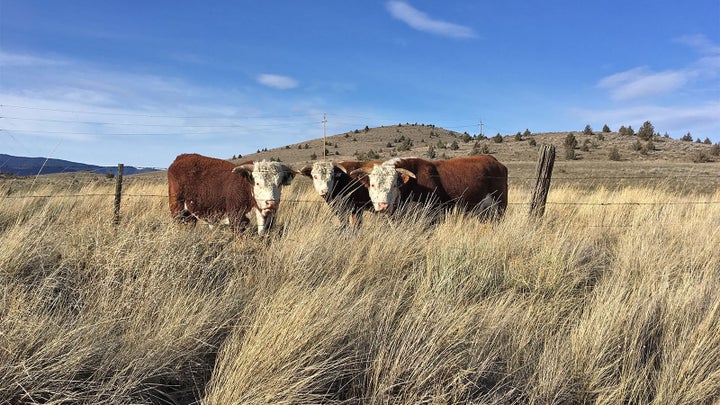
[[422, 22], [642, 82], [700, 42], [277, 81], [8, 59], [87, 113]]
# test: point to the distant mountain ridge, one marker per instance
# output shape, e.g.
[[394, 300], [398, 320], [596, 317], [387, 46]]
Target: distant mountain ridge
[[30, 166]]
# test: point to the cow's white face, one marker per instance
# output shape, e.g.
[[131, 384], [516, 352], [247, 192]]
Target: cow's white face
[[323, 177], [384, 187], [268, 179]]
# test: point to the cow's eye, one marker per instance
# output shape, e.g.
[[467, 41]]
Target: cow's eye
[[257, 184]]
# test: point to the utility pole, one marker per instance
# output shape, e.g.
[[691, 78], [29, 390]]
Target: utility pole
[[481, 129], [324, 121]]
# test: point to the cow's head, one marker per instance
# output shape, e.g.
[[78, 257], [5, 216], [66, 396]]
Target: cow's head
[[267, 179], [384, 182], [323, 175]]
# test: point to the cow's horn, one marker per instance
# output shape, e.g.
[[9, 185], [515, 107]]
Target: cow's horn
[[341, 167], [405, 172], [244, 168], [362, 170], [306, 170]]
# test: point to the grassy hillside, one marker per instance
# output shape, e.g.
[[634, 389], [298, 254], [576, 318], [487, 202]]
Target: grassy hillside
[[671, 163], [595, 303], [415, 139]]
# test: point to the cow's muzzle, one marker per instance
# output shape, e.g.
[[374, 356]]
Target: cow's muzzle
[[269, 206], [384, 207]]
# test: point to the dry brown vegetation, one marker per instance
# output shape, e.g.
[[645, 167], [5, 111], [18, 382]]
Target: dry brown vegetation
[[613, 297], [388, 141], [687, 166]]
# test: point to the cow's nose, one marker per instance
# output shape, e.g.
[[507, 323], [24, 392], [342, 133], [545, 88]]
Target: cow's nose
[[381, 207], [271, 204], [323, 193]]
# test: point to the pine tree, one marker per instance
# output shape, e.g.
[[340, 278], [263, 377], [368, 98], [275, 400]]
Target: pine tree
[[570, 145], [646, 131]]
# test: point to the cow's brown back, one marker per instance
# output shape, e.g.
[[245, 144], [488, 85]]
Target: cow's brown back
[[207, 188], [460, 181]]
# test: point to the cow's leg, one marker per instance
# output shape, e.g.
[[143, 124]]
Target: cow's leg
[[489, 208], [239, 223]]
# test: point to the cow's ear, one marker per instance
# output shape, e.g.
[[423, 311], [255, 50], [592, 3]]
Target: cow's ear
[[288, 175], [245, 170], [306, 171], [406, 175]]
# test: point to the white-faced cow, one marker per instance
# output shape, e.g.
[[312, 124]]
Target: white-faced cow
[[346, 195], [476, 183], [218, 191]]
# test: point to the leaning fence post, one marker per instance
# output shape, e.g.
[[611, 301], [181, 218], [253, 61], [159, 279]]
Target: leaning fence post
[[118, 192], [546, 160]]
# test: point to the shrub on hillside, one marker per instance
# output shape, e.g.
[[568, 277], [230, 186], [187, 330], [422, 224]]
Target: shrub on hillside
[[700, 156], [570, 145], [626, 131], [405, 144], [636, 146], [498, 138], [431, 152], [369, 155], [480, 149], [585, 145], [614, 154], [646, 131]]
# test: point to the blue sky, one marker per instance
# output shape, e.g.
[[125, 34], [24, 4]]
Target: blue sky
[[109, 82]]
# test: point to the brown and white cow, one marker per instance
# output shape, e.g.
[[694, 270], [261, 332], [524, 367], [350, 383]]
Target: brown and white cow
[[477, 183], [218, 191], [346, 195]]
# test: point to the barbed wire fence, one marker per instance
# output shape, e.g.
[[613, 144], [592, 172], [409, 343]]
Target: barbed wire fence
[[542, 185]]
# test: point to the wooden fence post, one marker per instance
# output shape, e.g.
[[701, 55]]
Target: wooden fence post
[[546, 160], [118, 192]]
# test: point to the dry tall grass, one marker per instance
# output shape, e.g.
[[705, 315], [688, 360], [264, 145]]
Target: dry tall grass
[[593, 304]]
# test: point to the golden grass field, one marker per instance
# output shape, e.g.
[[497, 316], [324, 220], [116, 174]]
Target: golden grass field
[[612, 297]]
